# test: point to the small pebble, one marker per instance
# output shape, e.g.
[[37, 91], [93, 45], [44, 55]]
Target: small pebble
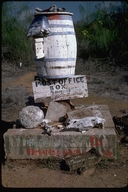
[[60, 126]]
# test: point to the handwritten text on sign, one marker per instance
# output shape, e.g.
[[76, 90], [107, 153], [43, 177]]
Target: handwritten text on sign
[[60, 89]]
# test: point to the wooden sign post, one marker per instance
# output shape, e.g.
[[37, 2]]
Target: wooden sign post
[[59, 89]]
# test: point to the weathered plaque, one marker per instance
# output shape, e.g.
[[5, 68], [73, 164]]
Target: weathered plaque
[[86, 160], [59, 89]]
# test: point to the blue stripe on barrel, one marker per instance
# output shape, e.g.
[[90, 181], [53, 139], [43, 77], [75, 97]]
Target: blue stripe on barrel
[[61, 33], [60, 25], [65, 17], [55, 77], [56, 59]]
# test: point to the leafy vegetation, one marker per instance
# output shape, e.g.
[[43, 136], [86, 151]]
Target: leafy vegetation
[[102, 36], [105, 35], [15, 46]]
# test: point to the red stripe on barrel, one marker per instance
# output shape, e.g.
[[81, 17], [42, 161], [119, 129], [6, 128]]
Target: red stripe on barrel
[[54, 17]]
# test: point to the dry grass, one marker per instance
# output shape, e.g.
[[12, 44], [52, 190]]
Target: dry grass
[[105, 83], [104, 79], [92, 66]]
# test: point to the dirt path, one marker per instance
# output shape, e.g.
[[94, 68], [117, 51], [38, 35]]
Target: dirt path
[[29, 174], [24, 80], [115, 105]]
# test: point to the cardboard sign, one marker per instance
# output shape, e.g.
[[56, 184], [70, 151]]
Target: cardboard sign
[[59, 89]]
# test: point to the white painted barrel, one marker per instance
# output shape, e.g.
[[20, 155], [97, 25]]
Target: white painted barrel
[[59, 47]]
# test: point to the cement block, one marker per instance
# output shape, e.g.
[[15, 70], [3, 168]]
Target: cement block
[[33, 144]]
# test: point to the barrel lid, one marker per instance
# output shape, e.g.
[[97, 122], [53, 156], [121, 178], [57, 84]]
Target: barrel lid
[[51, 13]]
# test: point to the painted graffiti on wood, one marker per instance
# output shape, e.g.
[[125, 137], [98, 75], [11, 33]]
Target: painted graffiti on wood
[[60, 153], [96, 142], [60, 89], [61, 82], [54, 152], [108, 154]]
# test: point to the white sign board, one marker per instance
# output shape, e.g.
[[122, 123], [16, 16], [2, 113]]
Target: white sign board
[[60, 89]]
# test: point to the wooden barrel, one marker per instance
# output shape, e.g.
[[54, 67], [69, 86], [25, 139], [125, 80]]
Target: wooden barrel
[[59, 47]]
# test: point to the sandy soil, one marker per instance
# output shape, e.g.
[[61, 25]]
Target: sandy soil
[[104, 89]]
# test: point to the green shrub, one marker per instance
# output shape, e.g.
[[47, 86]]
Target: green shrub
[[104, 35], [15, 46]]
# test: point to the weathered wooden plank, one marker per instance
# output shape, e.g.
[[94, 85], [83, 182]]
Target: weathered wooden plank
[[86, 160], [60, 89]]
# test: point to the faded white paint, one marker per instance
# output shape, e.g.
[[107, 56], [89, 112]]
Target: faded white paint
[[68, 22], [60, 89], [39, 48], [59, 50]]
